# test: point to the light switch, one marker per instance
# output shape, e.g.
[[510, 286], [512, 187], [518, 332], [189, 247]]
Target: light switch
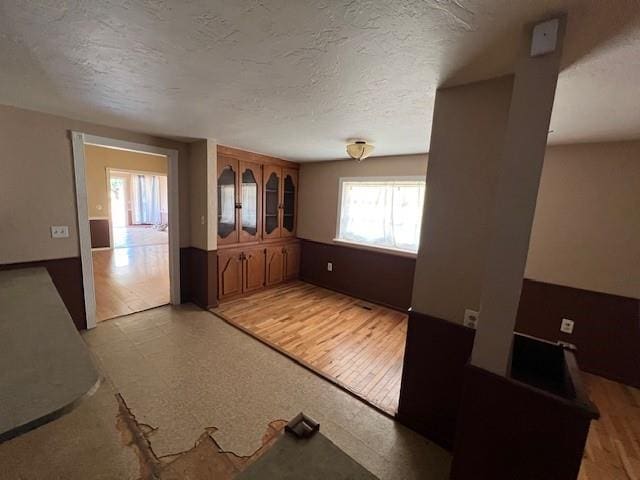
[[59, 231], [566, 326], [329, 267]]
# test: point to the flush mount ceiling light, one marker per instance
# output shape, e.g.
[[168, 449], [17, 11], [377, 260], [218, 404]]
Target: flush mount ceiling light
[[359, 150]]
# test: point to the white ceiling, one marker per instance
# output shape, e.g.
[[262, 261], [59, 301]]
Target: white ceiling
[[297, 78]]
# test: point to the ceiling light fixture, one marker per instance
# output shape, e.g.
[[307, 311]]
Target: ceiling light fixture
[[359, 150]]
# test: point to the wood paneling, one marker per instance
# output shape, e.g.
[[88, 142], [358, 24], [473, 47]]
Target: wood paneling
[[229, 273], [357, 345], [66, 274], [291, 261], [275, 265], [99, 230], [434, 361], [508, 430], [355, 269], [606, 332], [199, 276], [253, 157], [254, 269]]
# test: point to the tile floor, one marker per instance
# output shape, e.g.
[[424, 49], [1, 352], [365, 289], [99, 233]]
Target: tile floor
[[181, 370]]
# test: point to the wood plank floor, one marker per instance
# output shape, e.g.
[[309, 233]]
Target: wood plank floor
[[613, 446], [358, 345], [363, 349], [129, 280]]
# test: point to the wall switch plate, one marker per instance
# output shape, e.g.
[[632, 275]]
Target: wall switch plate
[[471, 318], [202, 220], [566, 326], [60, 231], [329, 267], [545, 37]]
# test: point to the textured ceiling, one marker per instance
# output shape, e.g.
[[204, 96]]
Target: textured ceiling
[[297, 78]]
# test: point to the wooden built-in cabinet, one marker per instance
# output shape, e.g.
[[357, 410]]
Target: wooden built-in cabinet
[[257, 220], [280, 202]]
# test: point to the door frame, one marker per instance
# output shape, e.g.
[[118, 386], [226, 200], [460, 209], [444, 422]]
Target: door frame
[[79, 140]]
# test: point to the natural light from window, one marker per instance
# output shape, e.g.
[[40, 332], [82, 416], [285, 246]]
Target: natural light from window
[[385, 213]]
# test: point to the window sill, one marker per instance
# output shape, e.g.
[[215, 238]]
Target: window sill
[[364, 246]]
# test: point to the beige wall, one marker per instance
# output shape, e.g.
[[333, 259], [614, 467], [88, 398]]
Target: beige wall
[[203, 194], [37, 182], [318, 195], [586, 230], [98, 159], [464, 161]]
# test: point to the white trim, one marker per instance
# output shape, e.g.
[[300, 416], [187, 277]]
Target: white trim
[[374, 248], [79, 140]]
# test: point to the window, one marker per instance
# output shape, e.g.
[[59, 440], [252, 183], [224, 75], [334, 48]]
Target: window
[[381, 212]]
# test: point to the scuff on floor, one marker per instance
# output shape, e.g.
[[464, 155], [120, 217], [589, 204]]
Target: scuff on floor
[[206, 459]]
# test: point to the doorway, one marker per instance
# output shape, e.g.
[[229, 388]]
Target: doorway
[[133, 273], [128, 224]]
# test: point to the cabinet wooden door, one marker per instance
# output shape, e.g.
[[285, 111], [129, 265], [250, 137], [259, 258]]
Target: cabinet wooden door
[[289, 201], [275, 265], [250, 200], [291, 261], [227, 201], [272, 187], [229, 273], [253, 269]]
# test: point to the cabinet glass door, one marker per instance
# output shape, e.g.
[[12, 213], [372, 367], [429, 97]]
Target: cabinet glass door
[[271, 197], [289, 203], [249, 199], [226, 202]]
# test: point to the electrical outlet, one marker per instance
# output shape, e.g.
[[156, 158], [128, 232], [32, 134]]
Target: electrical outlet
[[329, 267], [566, 326], [471, 318], [60, 231]]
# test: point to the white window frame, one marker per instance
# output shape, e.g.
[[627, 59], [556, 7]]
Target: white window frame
[[366, 246]]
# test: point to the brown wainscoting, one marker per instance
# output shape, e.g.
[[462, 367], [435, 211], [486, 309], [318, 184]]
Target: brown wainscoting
[[606, 331], [66, 274], [509, 430], [199, 276], [434, 362], [99, 229], [377, 277]]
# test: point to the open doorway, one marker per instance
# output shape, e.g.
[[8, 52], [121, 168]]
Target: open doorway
[[128, 206]]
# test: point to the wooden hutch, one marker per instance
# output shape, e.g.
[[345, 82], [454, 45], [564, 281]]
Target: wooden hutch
[[257, 217]]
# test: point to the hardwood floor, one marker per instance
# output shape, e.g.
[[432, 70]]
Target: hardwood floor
[[613, 446], [358, 345], [129, 280], [362, 350], [138, 235]]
